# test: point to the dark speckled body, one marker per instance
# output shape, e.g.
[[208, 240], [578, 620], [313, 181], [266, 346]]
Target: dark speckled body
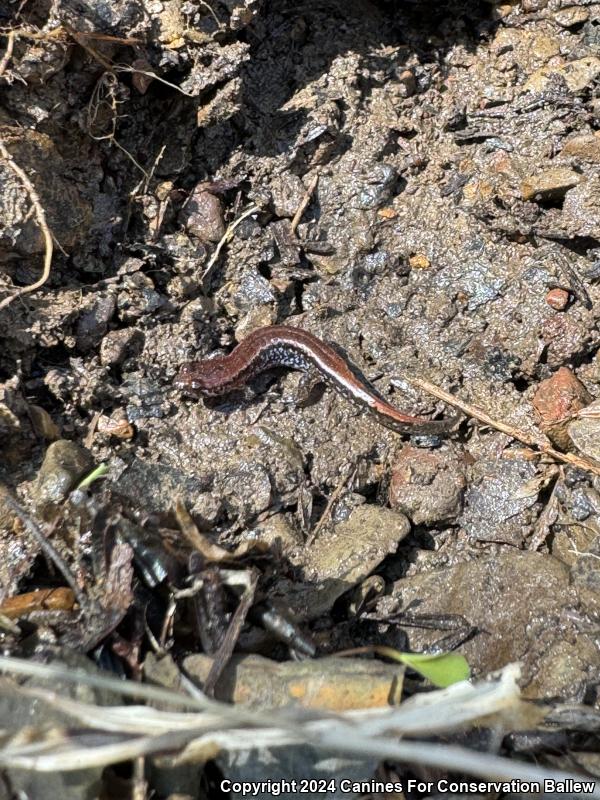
[[284, 346]]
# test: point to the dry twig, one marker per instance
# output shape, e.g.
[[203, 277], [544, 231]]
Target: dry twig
[[349, 477], [8, 52], [47, 548], [221, 658], [227, 236], [41, 220], [304, 202], [542, 447]]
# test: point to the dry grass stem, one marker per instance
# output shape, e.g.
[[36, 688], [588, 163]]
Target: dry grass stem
[[304, 202], [227, 236], [40, 216], [541, 446], [10, 44], [128, 732]]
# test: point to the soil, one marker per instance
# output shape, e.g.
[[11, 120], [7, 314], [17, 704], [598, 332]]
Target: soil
[[445, 158]]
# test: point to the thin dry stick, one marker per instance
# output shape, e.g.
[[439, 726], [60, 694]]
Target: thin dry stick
[[47, 548], [225, 651], [9, 51], [227, 236], [304, 202], [333, 499], [140, 787], [515, 433], [41, 220], [107, 84]]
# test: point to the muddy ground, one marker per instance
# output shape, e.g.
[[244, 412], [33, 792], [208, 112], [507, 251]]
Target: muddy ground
[[447, 160]]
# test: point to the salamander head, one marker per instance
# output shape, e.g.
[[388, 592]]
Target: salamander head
[[202, 377]]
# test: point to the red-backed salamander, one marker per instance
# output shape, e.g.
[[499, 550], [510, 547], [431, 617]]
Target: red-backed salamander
[[283, 346]]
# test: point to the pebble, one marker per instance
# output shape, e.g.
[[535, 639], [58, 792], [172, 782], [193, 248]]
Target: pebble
[[518, 598], [427, 486], [340, 558], [64, 464], [116, 425], [419, 261], [202, 216], [288, 192], [256, 318], [586, 147], [140, 79], [581, 209], [377, 186], [571, 16], [251, 291], [42, 423], [555, 402], [558, 299], [585, 431], [576, 74], [500, 503], [117, 345], [93, 322], [407, 82], [549, 184]]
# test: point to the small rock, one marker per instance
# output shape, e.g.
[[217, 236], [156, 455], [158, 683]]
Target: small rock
[[139, 297], [153, 486], [257, 318], [336, 684], [280, 532], [287, 191], [340, 558], [140, 78], [116, 425], [130, 265], [549, 184], [539, 49], [427, 486], [419, 261], [517, 601], [93, 322], [531, 6], [500, 504], [286, 242], [253, 290], [477, 191], [246, 491], [586, 147], [581, 209], [376, 185], [585, 431], [42, 423], [571, 545], [408, 83], [571, 16], [555, 402], [181, 287], [202, 215], [64, 465], [68, 211], [558, 299], [117, 345], [197, 310], [576, 74]]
